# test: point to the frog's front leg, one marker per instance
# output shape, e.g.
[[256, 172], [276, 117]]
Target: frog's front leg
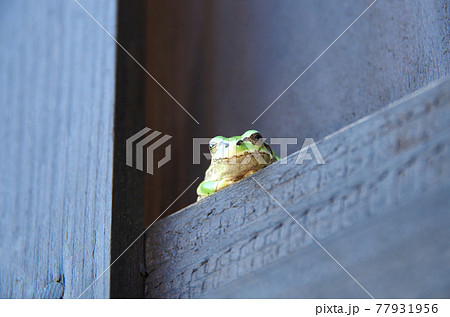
[[210, 187], [206, 188]]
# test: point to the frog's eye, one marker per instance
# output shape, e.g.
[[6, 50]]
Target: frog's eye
[[255, 137], [212, 145]]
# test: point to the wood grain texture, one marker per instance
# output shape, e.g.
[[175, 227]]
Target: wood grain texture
[[385, 176], [56, 140], [226, 61], [405, 259]]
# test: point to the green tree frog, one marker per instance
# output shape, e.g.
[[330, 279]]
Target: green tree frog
[[233, 159]]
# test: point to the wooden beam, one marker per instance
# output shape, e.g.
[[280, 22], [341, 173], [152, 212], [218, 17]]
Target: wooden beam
[[378, 204]]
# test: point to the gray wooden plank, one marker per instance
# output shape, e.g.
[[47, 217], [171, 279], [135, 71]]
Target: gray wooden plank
[[56, 140], [375, 170], [402, 255]]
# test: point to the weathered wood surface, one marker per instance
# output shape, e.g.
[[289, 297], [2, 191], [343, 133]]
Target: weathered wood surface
[[56, 139], [379, 205], [403, 254], [226, 61]]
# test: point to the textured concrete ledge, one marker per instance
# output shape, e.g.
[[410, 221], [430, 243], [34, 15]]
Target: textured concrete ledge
[[379, 205]]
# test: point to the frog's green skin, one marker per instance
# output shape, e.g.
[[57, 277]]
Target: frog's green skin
[[233, 159]]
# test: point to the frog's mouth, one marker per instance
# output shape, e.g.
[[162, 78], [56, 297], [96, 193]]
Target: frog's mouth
[[247, 158]]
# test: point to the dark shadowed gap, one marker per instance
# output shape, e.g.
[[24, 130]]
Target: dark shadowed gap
[[128, 183]]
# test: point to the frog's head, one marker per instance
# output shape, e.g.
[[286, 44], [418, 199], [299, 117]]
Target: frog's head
[[233, 159], [250, 142]]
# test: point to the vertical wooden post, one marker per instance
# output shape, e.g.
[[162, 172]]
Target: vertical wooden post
[[56, 144]]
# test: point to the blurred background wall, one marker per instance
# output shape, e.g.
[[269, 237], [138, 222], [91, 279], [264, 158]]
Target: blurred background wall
[[227, 61]]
